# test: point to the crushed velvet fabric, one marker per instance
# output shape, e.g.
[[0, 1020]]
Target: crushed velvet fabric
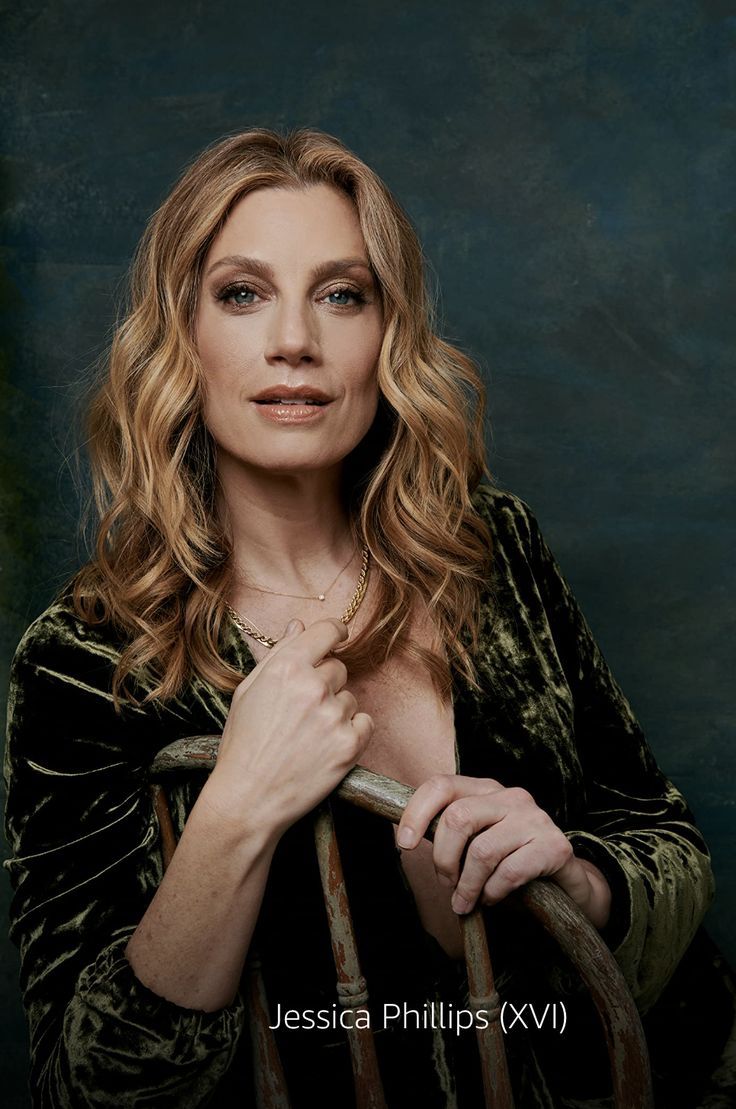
[[85, 861]]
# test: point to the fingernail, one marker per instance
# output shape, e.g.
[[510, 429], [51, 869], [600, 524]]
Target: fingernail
[[407, 837], [291, 627], [460, 905], [445, 880]]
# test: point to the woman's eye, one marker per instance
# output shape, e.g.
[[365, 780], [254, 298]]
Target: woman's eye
[[236, 295], [357, 297]]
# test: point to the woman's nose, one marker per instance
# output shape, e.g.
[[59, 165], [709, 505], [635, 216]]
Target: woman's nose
[[293, 332]]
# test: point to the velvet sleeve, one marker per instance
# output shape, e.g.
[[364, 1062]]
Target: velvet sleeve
[[636, 825], [84, 864]]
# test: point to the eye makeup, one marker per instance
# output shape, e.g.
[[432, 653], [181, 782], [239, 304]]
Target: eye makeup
[[227, 294]]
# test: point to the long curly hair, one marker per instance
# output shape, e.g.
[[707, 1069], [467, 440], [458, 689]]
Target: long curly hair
[[161, 568]]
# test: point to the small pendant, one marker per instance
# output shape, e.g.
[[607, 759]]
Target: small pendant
[[321, 597]]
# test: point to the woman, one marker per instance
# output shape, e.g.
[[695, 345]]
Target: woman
[[296, 550]]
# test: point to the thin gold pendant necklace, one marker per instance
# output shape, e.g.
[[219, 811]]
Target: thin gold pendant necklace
[[301, 596], [246, 627]]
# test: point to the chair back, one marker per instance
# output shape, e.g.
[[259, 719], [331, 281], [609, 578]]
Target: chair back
[[553, 909]]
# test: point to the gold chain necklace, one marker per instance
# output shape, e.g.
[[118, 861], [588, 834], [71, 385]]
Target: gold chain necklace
[[248, 628], [301, 596]]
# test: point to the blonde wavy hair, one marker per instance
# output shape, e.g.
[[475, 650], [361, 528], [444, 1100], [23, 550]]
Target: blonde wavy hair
[[162, 567]]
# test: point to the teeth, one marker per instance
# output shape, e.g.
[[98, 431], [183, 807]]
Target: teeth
[[293, 400]]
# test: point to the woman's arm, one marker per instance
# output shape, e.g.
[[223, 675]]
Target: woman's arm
[[133, 998], [84, 863], [291, 735], [637, 865]]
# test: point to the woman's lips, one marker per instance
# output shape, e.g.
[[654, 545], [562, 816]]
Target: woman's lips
[[281, 413]]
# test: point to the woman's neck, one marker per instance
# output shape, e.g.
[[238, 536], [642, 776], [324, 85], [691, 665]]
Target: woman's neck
[[288, 530]]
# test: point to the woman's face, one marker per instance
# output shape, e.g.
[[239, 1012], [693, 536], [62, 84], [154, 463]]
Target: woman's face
[[287, 304]]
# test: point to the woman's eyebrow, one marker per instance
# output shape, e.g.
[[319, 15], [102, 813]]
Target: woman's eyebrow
[[263, 269]]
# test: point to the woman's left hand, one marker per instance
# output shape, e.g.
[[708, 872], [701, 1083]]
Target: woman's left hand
[[512, 841]]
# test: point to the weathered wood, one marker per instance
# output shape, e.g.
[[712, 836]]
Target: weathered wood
[[268, 1072], [627, 1047], [482, 994], [194, 752], [352, 990], [165, 823]]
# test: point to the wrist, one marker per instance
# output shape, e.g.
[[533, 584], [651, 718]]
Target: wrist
[[598, 909], [587, 886], [238, 818]]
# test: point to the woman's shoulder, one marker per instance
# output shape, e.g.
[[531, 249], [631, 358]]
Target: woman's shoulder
[[61, 698], [498, 500], [59, 631], [65, 661], [510, 519]]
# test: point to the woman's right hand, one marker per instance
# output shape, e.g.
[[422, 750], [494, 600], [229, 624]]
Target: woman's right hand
[[292, 733]]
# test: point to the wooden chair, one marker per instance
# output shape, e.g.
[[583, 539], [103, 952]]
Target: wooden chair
[[555, 911]]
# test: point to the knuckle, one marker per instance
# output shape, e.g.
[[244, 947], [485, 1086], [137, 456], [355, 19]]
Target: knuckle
[[352, 702], [342, 670], [438, 782], [321, 687], [363, 733], [466, 891], [457, 817], [511, 872], [481, 851], [362, 729], [520, 795]]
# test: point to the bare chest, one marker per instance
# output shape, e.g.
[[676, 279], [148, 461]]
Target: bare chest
[[414, 733], [413, 739]]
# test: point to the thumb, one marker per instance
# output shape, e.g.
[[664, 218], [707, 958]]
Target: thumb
[[292, 629]]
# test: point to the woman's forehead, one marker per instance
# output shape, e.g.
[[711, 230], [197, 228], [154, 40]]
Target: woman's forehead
[[272, 217]]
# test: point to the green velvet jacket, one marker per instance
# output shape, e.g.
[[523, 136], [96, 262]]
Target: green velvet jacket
[[85, 862]]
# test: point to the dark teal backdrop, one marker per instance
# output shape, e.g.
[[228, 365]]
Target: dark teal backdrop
[[570, 169]]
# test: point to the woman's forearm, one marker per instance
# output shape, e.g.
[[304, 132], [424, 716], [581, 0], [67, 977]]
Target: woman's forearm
[[192, 941]]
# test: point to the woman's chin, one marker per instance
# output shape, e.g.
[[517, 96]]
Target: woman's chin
[[292, 462]]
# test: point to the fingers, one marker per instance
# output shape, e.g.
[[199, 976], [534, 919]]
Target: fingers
[[461, 821], [533, 860], [296, 626], [494, 865], [499, 862], [348, 702], [307, 646], [334, 671], [292, 630], [505, 838], [432, 796], [364, 726], [361, 722], [313, 643]]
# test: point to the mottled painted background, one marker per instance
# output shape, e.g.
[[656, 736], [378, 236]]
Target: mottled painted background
[[570, 169]]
